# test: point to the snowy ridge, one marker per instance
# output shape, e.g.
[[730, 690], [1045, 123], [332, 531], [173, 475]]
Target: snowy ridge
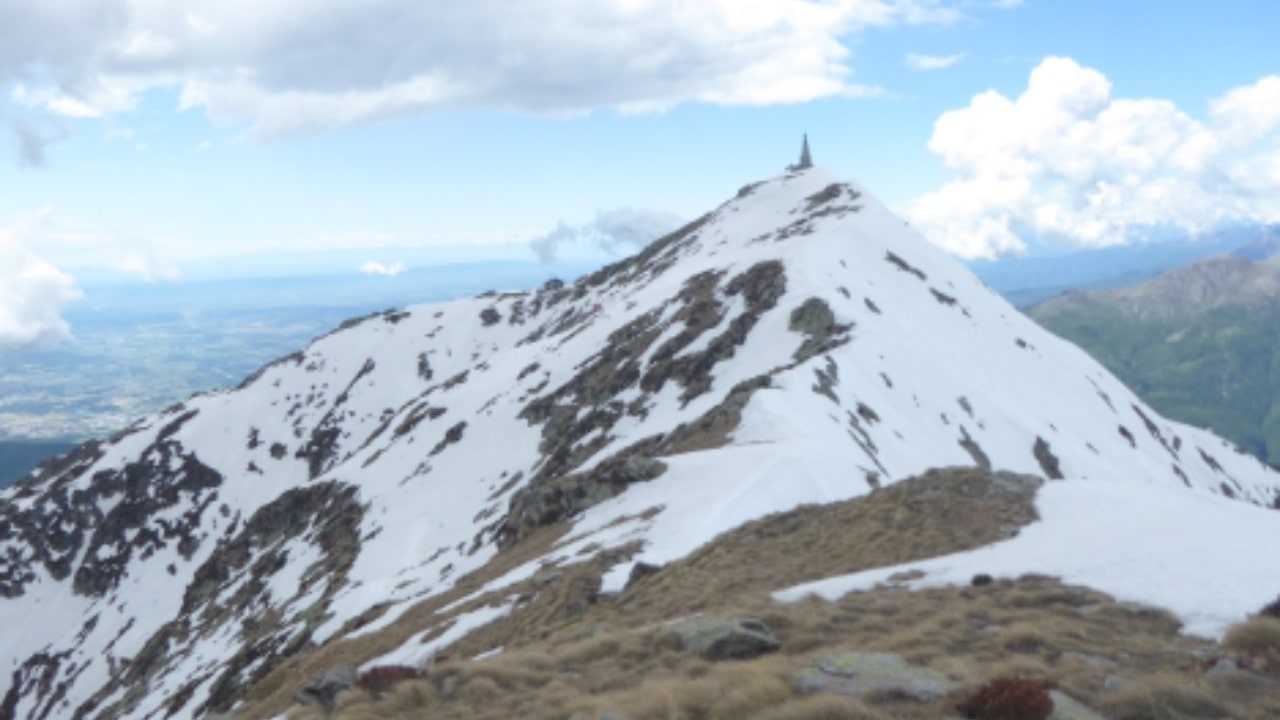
[[798, 344]]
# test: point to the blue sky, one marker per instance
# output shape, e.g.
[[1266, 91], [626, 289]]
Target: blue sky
[[168, 140]]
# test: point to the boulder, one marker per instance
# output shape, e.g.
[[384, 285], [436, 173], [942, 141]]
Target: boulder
[[858, 675], [716, 638], [322, 689]]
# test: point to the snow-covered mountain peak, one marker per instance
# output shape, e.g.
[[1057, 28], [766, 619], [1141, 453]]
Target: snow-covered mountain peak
[[798, 344]]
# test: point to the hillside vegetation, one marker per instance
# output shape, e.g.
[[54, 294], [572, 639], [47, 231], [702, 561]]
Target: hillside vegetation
[[617, 657], [1199, 344]]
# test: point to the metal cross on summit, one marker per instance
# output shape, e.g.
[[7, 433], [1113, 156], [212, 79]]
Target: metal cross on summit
[[806, 161]]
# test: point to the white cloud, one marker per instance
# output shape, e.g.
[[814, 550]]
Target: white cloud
[[141, 261], [32, 293], [614, 231], [1067, 161], [376, 268], [291, 67], [932, 62]]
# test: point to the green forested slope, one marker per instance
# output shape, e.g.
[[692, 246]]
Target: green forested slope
[[1215, 365]]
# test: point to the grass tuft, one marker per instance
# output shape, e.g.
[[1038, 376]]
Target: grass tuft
[[1259, 636]]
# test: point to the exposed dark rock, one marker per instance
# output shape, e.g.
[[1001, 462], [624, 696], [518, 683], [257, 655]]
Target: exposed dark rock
[[1048, 461], [553, 500], [903, 265], [824, 196], [424, 367], [451, 436], [640, 571], [1154, 430], [60, 525], [321, 450], [827, 379], [1124, 433], [490, 316], [979, 457], [325, 515], [866, 413], [815, 320]]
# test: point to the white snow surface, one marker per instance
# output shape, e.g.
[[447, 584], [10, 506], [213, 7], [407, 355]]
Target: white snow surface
[[1206, 559], [932, 357], [418, 650]]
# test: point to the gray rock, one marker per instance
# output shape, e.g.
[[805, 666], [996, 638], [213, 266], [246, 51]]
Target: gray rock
[[640, 571], [858, 675], [1114, 683], [718, 638], [1066, 707], [322, 689], [639, 469], [548, 576]]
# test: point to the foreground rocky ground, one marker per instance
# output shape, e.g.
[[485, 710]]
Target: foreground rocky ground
[[702, 638]]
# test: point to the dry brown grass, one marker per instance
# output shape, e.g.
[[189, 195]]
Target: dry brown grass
[[1258, 636], [614, 655], [640, 673], [1163, 696], [919, 518]]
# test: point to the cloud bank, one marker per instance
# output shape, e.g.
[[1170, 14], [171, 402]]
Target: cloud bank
[[373, 267], [292, 67], [32, 293], [614, 231], [1067, 162]]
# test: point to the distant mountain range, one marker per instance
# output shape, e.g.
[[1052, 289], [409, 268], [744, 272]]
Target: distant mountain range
[[1199, 343], [1036, 278]]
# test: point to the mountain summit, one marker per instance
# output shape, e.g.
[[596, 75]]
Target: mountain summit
[[798, 344]]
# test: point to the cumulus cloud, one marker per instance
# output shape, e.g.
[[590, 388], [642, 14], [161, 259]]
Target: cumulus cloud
[[614, 231], [292, 67], [1067, 162], [932, 62], [373, 267], [32, 293]]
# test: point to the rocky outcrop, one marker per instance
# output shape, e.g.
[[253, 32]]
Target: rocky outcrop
[[63, 528], [815, 320], [716, 638], [232, 588], [859, 675]]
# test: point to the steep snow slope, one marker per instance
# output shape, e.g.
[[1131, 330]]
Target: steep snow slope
[[798, 344]]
